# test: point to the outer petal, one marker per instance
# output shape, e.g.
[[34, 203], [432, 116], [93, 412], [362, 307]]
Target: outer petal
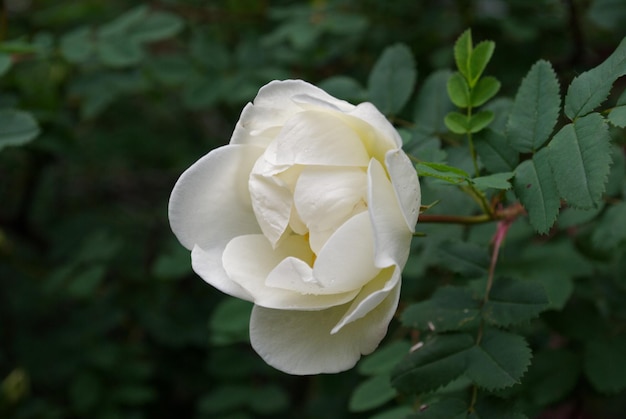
[[369, 113], [275, 103], [392, 237], [406, 185], [371, 296], [208, 265], [249, 260], [210, 203], [301, 343]]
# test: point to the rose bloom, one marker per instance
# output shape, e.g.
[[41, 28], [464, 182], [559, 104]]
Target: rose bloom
[[308, 213]]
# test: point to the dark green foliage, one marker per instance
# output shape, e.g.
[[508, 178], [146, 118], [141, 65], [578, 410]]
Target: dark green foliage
[[104, 104]]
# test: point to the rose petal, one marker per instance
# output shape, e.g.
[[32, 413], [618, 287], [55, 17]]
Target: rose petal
[[249, 260], [300, 342], [275, 103], [368, 112], [208, 265], [392, 237], [210, 203], [346, 262], [405, 185], [325, 197], [317, 138], [370, 296], [271, 200]]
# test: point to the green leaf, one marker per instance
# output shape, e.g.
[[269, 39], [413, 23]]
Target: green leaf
[[268, 399], [591, 88], [371, 393], [118, 51], [439, 361], [495, 181], [77, 46], [605, 365], [5, 62], [224, 398], [443, 409], [495, 152], [16, 128], [514, 301], [580, 157], [535, 187], [399, 412], [432, 103], [480, 120], [156, 26], [343, 87], [458, 90], [120, 25], [441, 171], [449, 309], [392, 79], [535, 109], [384, 359], [485, 89], [481, 55], [495, 408], [462, 53], [457, 122], [617, 116], [499, 361], [466, 258], [611, 230]]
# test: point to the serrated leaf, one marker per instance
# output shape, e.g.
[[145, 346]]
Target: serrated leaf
[[479, 121], [480, 57], [495, 152], [485, 89], [443, 409], [439, 361], [449, 309], [457, 122], [229, 322], [499, 361], [466, 258], [458, 90], [611, 230], [16, 128], [371, 393], [535, 187], [432, 103], [462, 53], [591, 88], [384, 359], [617, 116], [535, 109], [343, 87], [441, 171], [392, 79], [580, 157], [605, 365], [514, 301], [399, 412], [495, 181]]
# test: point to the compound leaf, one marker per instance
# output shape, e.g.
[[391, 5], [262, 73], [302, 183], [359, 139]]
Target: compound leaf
[[514, 301]]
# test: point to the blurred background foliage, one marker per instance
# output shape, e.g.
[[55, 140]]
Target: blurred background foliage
[[100, 313]]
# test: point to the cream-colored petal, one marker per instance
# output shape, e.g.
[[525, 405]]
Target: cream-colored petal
[[370, 114], [210, 203], [317, 138], [208, 265], [271, 200], [249, 260], [301, 342], [325, 197], [275, 103], [392, 237], [370, 296], [346, 262], [405, 184]]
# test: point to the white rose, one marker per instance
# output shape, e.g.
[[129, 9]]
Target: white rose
[[308, 213]]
